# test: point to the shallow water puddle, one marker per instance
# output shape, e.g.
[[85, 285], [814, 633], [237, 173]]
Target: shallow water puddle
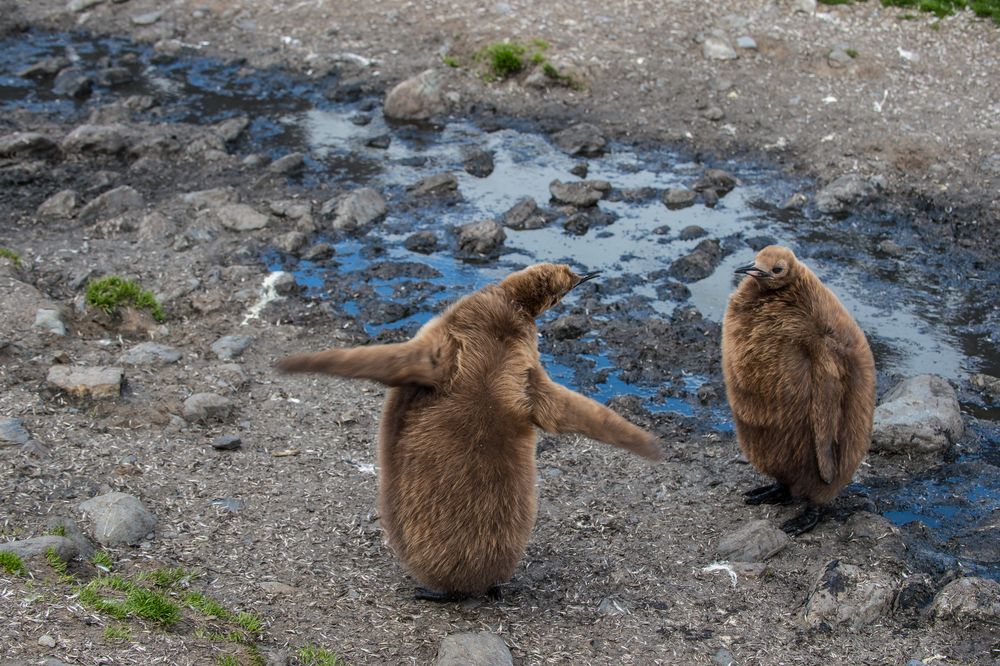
[[937, 325]]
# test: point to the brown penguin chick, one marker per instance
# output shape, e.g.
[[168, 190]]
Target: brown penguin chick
[[800, 379], [457, 439]]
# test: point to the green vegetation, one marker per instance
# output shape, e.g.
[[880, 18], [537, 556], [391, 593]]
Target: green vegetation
[[227, 660], [57, 563], [249, 622], [450, 61], [12, 563], [121, 598], [311, 655], [206, 605], [58, 530], [852, 52], [940, 8], [111, 292], [505, 58], [167, 578], [117, 632], [10, 254], [102, 560]]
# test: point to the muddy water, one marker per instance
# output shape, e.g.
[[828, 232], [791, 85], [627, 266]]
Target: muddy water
[[919, 313]]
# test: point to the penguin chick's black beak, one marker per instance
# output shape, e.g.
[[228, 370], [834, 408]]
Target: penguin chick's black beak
[[586, 277], [753, 271]]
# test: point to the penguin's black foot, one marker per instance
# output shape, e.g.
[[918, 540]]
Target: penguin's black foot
[[426, 594], [495, 593], [772, 494], [803, 522]]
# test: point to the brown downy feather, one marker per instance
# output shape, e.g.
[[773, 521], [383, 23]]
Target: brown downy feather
[[799, 375], [457, 437]]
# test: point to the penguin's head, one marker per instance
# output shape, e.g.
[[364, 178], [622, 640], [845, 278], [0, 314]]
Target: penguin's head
[[537, 288], [773, 267]]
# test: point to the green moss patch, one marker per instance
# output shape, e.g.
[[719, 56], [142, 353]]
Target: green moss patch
[[310, 655], [15, 258], [112, 292], [12, 563]]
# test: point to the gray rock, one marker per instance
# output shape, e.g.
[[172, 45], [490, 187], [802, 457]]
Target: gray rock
[[112, 203], [148, 18], [723, 657], [61, 204], [287, 164], [150, 353], [715, 179], [691, 232], [49, 320], [207, 407], [478, 162], [794, 202], [229, 347], [46, 641], [804, 6], [844, 594], [157, 226], [754, 542], [45, 67], [291, 242], [102, 139], [839, 56], [436, 185], [919, 415], [318, 252], [12, 431], [679, 197], [968, 600], [580, 193], [891, 248], [119, 518], [849, 190], [423, 242], [699, 264], [241, 217], [73, 82], [568, 327], [381, 142], [581, 139], [479, 649], [713, 113], [230, 130], [988, 385], [717, 47], [35, 546], [524, 215], [96, 383], [483, 237], [746, 42], [417, 98], [293, 209], [610, 606], [81, 5], [358, 209], [213, 198], [27, 144], [227, 442]]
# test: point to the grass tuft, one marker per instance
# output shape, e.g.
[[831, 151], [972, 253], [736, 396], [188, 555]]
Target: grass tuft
[[450, 61], [128, 600], [57, 563], [111, 292], [12, 563], [227, 660], [941, 8], [15, 258], [310, 655], [102, 560], [117, 633], [249, 622], [505, 59], [58, 530], [206, 605]]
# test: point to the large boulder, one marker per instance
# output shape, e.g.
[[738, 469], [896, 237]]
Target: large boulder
[[417, 98], [919, 415], [119, 518], [845, 594]]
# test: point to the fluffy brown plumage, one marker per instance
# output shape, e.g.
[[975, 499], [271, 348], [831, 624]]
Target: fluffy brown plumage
[[800, 380], [457, 437]]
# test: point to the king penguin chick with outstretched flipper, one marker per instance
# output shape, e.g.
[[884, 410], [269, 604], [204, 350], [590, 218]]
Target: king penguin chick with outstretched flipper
[[457, 496], [800, 379]]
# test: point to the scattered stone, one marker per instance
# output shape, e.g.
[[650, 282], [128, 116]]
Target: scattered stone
[[422, 242], [713, 113], [207, 407], [482, 649], [45, 67], [699, 264], [436, 185], [96, 383], [148, 18], [717, 47], [478, 162], [839, 56], [356, 210], [103, 139], [381, 142], [722, 182], [73, 82], [844, 594], [241, 217], [291, 242], [81, 5], [287, 164], [679, 197], [416, 98], [213, 198], [227, 442], [920, 415], [723, 658], [46, 641], [49, 320], [568, 327], [150, 353], [891, 248], [580, 193], [361, 119], [796, 201], [581, 139], [12, 431], [691, 232], [229, 347], [804, 6], [65, 548], [119, 518], [915, 592], [988, 385], [483, 237], [59, 205], [968, 600], [230, 129], [580, 222], [710, 197], [707, 394], [157, 226], [746, 42], [580, 169], [849, 190], [754, 542], [27, 144], [612, 606], [112, 203], [318, 252]]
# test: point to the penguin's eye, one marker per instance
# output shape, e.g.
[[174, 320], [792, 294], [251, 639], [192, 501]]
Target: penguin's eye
[[777, 270]]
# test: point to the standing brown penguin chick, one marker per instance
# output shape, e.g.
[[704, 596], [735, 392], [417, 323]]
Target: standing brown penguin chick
[[800, 380], [457, 438]]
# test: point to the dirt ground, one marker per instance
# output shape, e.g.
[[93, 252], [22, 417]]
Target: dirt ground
[[285, 527]]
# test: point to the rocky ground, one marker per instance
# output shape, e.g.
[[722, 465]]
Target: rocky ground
[[262, 487]]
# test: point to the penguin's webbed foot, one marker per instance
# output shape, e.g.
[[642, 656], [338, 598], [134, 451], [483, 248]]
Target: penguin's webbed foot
[[495, 593], [427, 594], [774, 493], [803, 522]]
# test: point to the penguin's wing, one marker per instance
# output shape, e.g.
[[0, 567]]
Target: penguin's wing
[[418, 361], [826, 399], [557, 409]]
